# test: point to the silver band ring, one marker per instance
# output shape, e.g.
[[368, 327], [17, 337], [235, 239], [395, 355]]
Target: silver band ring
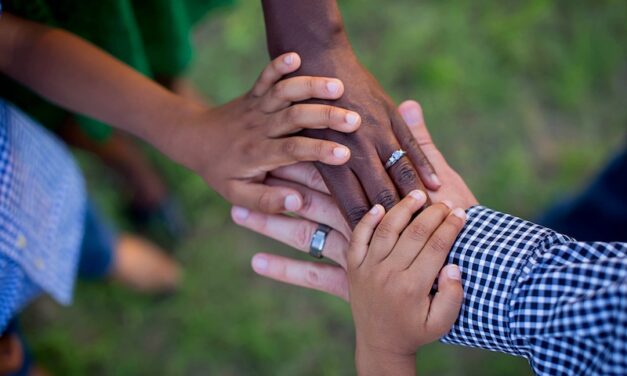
[[318, 239], [395, 157]]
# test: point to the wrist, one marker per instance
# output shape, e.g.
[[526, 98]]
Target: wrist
[[371, 360]]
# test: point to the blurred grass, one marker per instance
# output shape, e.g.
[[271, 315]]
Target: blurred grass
[[526, 100]]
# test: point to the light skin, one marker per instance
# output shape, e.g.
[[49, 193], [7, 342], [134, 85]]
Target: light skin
[[393, 261], [320, 207], [231, 146], [315, 30]]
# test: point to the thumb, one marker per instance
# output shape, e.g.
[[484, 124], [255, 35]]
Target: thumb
[[447, 301], [411, 111]]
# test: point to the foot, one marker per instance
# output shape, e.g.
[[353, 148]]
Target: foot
[[143, 266]]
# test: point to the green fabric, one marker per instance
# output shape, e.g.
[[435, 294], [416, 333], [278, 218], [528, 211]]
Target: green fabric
[[152, 36]]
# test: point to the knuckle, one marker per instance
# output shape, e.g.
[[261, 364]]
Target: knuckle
[[417, 231], [312, 277], [278, 90], [314, 179], [289, 147], [439, 244], [355, 214], [384, 230], [307, 205], [318, 148], [264, 202], [310, 84], [327, 113], [385, 198], [405, 174], [303, 235], [293, 114]]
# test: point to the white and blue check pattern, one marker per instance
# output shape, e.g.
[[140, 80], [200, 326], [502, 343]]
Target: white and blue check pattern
[[42, 203], [531, 292]]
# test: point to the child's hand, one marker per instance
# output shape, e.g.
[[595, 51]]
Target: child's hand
[[392, 268], [233, 146]]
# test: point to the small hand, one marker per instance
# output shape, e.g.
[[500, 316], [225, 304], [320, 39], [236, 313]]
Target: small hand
[[393, 262], [319, 207], [234, 146]]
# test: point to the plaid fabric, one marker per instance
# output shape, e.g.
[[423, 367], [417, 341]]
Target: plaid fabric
[[42, 203], [532, 292]]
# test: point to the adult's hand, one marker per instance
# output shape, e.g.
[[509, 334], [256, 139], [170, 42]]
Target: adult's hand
[[315, 30], [319, 207]]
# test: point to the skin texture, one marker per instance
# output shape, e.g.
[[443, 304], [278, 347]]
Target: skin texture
[[319, 207], [230, 146], [11, 354], [315, 30], [392, 263]]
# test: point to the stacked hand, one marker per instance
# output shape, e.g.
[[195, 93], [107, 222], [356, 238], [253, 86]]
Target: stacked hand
[[364, 180], [319, 207], [392, 263], [234, 146]]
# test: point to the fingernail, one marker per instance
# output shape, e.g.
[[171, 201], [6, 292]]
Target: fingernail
[[434, 178], [448, 203], [340, 152], [240, 214], [352, 118], [260, 263], [412, 117], [375, 209], [452, 271], [292, 202], [289, 59], [459, 213], [333, 87], [418, 195]]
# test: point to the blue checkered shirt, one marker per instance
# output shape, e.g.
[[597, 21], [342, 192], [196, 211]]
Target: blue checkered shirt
[[531, 292], [42, 203]]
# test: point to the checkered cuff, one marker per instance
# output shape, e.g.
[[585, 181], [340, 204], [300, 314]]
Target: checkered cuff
[[494, 251]]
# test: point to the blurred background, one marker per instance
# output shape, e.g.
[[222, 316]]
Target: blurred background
[[525, 99]]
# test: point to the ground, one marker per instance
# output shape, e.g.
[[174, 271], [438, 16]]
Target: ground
[[525, 99]]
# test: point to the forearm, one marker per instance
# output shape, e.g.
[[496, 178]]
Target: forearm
[[78, 76], [530, 291], [314, 29]]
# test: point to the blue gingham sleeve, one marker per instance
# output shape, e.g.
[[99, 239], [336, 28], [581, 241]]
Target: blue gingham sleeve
[[531, 292]]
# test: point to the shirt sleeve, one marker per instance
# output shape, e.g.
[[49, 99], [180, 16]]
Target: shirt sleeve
[[532, 292]]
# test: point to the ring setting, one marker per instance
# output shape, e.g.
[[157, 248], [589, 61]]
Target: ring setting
[[394, 158], [318, 239]]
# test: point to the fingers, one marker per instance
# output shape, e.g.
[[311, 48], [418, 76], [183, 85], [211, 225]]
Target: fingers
[[378, 185], [317, 276], [304, 173], [294, 232], [412, 147], [437, 248], [317, 207], [290, 150], [263, 198], [416, 235], [387, 233], [446, 303], [402, 172], [282, 65], [300, 88], [312, 116], [360, 240], [347, 191]]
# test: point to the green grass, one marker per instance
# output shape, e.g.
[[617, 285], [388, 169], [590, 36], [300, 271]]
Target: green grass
[[526, 100]]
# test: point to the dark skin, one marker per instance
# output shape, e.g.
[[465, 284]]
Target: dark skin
[[315, 30]]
